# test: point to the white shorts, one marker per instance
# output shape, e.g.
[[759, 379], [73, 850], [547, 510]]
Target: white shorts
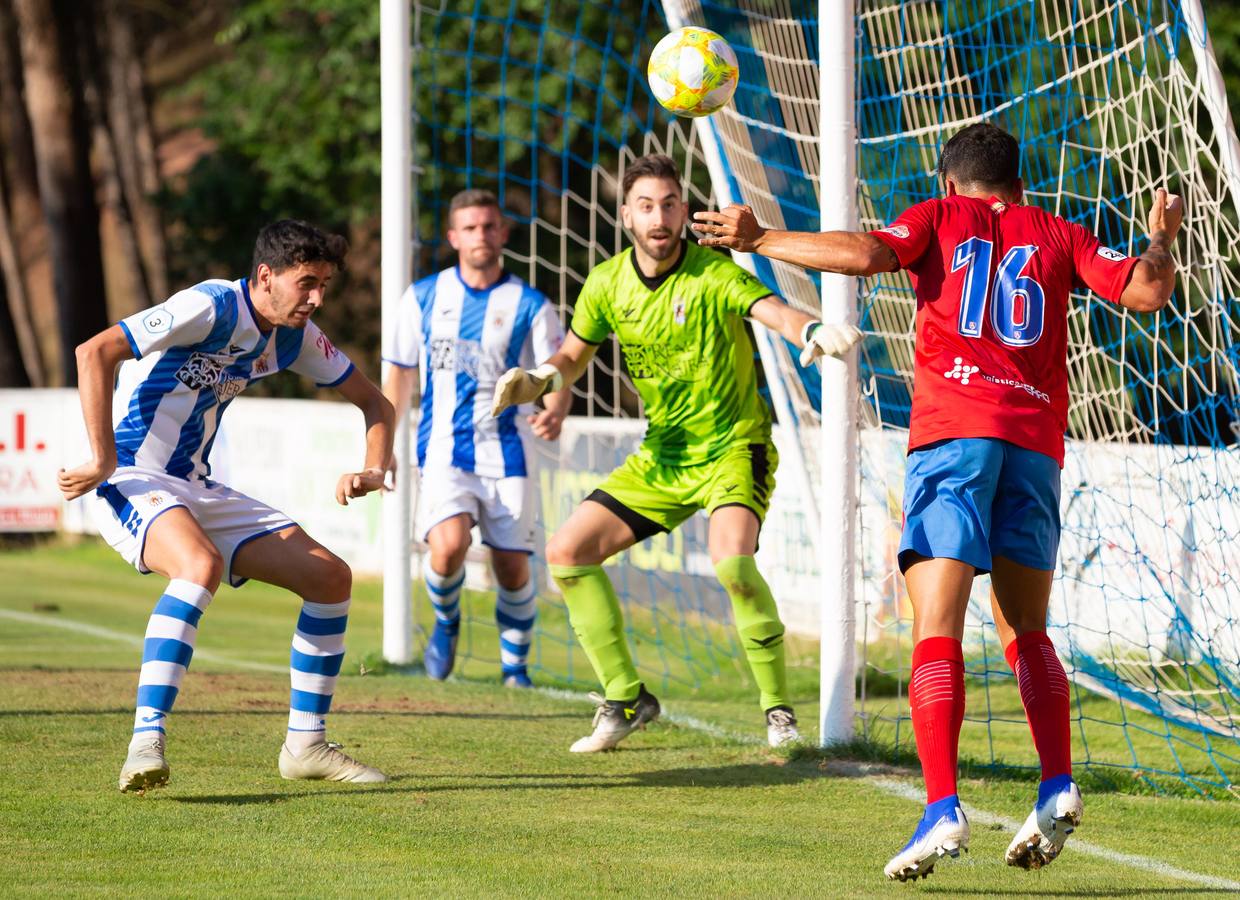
[[500, 507], [131, 499]]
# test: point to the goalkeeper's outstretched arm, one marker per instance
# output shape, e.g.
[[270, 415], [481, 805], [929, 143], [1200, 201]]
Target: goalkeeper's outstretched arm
[[842, 252], [517, 386]]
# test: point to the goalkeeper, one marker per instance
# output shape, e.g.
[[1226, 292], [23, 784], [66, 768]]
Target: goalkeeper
[[679, 313]]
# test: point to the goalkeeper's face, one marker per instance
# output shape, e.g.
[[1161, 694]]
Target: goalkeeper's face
[[478, 235], [655, 215]]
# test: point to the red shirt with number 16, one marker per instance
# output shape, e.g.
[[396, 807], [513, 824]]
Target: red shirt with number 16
[[992, 283]]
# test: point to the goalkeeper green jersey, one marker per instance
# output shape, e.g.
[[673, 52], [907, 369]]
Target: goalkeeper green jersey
[[687, 347]]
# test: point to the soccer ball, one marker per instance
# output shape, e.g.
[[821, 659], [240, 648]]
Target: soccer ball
[[692, 72]]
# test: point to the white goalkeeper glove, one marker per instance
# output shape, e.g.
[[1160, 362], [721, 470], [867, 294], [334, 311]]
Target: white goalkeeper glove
[[823, 339], [517, 386]]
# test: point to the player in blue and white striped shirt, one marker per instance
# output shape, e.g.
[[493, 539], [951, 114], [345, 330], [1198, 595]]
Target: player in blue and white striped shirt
[[184, 362], [462, 328]]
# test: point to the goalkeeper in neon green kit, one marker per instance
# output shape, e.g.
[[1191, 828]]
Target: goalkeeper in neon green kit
[[679, 313]]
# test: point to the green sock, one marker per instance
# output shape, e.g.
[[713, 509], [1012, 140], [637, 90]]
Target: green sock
[[595, 614], [757, 620]]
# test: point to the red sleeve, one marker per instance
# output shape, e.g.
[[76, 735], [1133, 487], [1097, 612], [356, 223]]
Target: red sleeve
[[1099, 268], [910, 234]]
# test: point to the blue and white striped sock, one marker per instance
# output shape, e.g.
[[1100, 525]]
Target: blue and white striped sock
[[170, 636], [515, 612], [314, 665], [445, 592]]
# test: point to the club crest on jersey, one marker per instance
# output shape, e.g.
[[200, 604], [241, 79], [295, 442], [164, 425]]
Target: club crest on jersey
[[157, 321], [899, 231], [1112, 255], [261, 365], [204, 371], [678, 311]]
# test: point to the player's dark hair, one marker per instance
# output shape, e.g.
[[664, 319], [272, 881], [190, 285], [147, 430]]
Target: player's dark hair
[[655, 165], [982, 154], [471, 197], [291, 242]]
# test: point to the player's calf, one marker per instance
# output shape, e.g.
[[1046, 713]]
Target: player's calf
[[515, 613], [445, 594]]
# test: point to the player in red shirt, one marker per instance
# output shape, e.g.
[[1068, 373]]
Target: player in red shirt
[[990, 407]]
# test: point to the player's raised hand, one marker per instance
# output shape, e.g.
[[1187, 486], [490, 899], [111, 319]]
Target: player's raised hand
[[1166, 214], [825, 339], [735, 227], [358, 484], [517, 386], [546, 424], [79, 480]]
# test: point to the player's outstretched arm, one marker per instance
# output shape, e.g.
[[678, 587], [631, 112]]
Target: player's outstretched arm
[[1153, 279], [380, 418], [815, 338], [97, 360], [842, 252], [517, 386]]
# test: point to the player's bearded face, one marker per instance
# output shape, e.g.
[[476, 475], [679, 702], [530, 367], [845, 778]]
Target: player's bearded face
[[296, 293], [478, 235], [655, 215]]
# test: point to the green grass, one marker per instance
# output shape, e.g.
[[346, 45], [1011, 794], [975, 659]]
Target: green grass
[[484, 797]]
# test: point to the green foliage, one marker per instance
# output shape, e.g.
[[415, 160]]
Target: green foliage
[[298, 97]]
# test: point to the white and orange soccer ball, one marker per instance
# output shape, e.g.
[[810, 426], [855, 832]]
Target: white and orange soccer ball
[[692, 72]]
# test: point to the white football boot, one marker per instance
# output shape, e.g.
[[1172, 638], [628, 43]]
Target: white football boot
[[325, 761], [614, 720], [781, 727], [1055, 816], [942, 831], [145, 766]]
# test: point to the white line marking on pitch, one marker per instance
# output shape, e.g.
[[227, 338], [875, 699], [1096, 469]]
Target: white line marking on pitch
[[1131, 860], [897, 788], [908, 792], [121, 637]]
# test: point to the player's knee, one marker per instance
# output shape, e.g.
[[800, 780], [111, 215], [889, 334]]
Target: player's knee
[[336, 581], [205, 567], [562, 551]]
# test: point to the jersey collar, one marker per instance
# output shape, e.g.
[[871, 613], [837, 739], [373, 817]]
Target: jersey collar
[[480, 292], [653, 284], [249, 305]]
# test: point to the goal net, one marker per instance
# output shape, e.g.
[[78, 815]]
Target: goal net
[[546, 104]]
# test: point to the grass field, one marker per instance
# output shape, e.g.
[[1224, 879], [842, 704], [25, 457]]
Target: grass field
[[484, 797]]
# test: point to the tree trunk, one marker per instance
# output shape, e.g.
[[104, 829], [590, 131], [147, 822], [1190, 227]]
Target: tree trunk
[[130, 123], [61, 142], [23, 233], [19, 351], [12, 372], [124, 267]]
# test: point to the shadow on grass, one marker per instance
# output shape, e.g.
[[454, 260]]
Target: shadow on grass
[[745, 775]]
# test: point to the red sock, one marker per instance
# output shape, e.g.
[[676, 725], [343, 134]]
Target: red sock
[[936, 697], [1044, 692]]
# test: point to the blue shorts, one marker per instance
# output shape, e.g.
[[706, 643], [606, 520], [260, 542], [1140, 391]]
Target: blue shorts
[[973, 499]]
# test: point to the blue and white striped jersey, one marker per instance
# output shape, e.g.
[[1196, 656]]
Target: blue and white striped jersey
[[194, 353], [462, 339]]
